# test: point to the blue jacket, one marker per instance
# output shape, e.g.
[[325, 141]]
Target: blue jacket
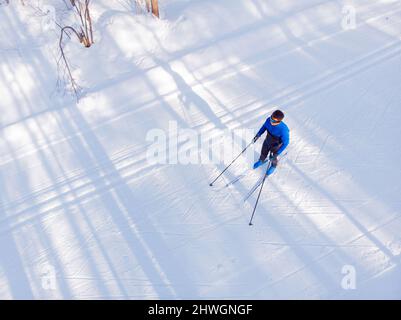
[[280, 131]]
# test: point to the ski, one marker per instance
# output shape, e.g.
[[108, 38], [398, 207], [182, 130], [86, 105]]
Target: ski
[[259, 182]]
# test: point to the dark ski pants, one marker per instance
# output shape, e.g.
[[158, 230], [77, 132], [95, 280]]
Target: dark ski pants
[[270, 144]]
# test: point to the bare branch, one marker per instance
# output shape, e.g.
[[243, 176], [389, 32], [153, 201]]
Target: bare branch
[[84, 34]]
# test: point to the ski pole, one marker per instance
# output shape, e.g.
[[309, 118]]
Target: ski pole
[[260, 190], [211, 184], [257, 200]]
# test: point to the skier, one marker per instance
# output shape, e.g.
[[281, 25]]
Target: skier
[[277, 139]]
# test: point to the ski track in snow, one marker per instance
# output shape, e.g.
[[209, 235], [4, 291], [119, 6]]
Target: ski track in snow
[[79, 195]]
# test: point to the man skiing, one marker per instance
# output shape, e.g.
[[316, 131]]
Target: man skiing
[[277, 139]]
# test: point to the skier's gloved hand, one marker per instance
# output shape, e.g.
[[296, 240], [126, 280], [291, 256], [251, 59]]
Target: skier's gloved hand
[[256, 138]]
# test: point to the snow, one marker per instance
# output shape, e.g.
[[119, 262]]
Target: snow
[[80, 200]]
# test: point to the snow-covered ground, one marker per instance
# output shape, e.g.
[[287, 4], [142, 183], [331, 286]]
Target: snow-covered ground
[[84, 214]]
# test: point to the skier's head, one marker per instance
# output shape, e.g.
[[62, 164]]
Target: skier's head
[[276, 117]]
